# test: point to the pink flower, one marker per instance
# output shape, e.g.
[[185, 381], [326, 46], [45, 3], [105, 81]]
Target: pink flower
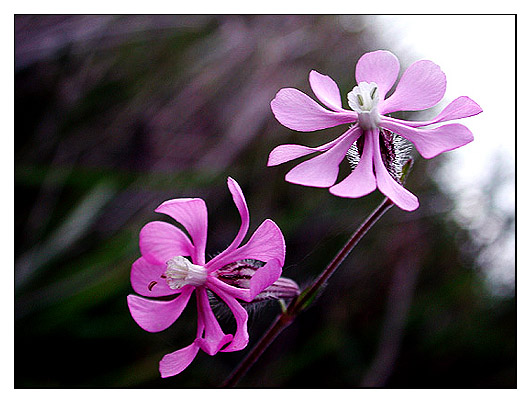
[[163, 270], [421, 86]]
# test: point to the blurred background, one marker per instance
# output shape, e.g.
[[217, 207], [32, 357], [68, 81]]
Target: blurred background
[[115, 114]]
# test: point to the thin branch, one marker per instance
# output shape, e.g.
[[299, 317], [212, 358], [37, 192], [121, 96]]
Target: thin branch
[[305, 299]]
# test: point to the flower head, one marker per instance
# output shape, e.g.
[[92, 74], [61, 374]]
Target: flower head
[[421, 86], [173, 264]]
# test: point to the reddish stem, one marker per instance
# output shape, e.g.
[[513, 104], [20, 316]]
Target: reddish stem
[[297, 305]]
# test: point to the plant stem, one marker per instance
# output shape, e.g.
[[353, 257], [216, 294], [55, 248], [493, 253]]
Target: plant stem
[[297, 305]]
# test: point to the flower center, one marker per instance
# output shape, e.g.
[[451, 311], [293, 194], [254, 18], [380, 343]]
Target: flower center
[[180, 272], [364, 99]]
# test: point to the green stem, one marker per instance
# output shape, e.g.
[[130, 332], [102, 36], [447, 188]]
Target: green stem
[[304, 300]]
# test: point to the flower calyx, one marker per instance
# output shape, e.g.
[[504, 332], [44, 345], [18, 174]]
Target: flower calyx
[[239, 274]]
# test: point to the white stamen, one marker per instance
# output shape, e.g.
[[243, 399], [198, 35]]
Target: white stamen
[[364, 99], [180, 272]]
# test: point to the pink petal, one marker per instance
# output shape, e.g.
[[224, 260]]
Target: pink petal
[[154, 315], [264, 277], [402, 197], [422, 86], [266, 243], [288, 152], [241, 337], [298, 111], [241, 204], [176, 362], [322, 170], [361, 181], [146, 280], [213, 338], [380, 67], [432, 142], [459, 108], [160, 241], [326, 90], [216, 285], [192, 214]]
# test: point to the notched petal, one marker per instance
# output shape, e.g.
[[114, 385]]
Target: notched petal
[[160, 241], [155, 315], [422, 86], [326, 90], [192, 214], [298, 111], [432, 142], [380, 67], [176, 362], [147, 280]]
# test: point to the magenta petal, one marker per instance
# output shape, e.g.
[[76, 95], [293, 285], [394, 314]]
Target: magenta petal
[[459, 108], [399, 195], [213, 338], [326, 90], [160, 241], [432, 142], [146, 280], [322, 170], [266, 243], [241, 337], [298, 111], [422, 86], [264, 277], [362, 180], [154, 315], [241, 204], [380, 67], [176, 362], [216, 285], [288, 152], [192, 214]]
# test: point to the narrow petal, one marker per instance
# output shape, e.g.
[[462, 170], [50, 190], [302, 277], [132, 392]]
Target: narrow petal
[[459, 108], [402, 197], [261, 279], [192, 214], [213, 338], [362, 180], [265, 244], [241, 337], [298, 111], [160, 241], [146, 279], [176, 362], [432, 142], [154, 315], [380, 67], [241, 205], [216, 285], [326, 90], [288, 152], [422, 86], [264, 277], [322, 170]]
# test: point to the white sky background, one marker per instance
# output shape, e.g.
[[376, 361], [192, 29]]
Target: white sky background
[[477, 54]]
